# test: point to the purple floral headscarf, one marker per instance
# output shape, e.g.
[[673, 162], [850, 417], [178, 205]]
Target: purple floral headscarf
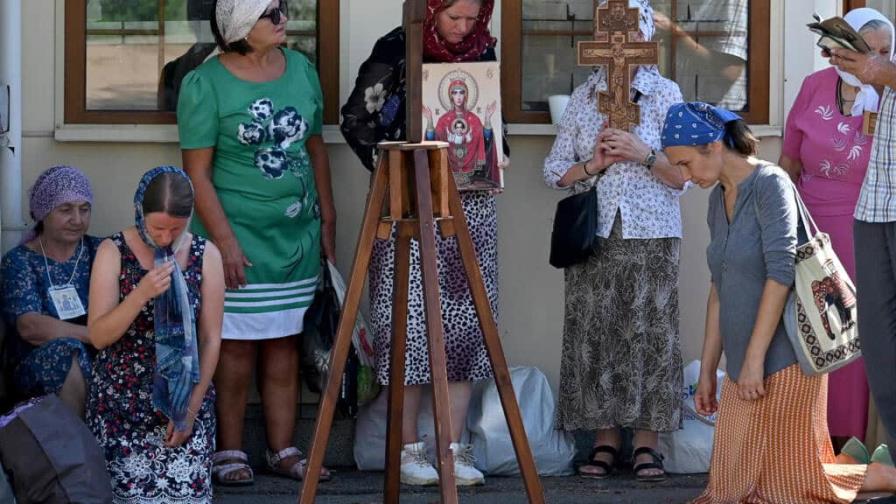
[[56, 186]]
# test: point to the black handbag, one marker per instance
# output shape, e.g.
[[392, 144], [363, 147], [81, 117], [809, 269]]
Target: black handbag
[[320, 325], [574, 238]]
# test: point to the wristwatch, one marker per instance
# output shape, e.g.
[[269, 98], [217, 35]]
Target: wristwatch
[[650, 160]]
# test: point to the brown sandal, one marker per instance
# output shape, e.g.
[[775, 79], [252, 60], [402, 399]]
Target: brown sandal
[[297, 470]]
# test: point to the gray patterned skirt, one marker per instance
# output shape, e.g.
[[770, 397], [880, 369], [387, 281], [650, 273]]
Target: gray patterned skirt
[[621, 364]]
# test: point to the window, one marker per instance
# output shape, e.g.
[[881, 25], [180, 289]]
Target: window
[[124, 59], [887, 7], [719, 52]]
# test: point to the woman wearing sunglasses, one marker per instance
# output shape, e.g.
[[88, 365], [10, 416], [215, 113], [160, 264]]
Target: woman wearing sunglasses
[[250, 123]]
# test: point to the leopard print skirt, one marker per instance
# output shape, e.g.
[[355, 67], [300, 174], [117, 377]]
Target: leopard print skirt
[[467, 359]]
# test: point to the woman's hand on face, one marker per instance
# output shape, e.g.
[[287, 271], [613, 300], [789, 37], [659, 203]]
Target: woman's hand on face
[[175, 438], [234, 264], [156, 281], [622, 145], [750, 384], [705, 396]]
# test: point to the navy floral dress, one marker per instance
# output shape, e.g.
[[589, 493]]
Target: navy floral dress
[[120, 412], [39, 370]]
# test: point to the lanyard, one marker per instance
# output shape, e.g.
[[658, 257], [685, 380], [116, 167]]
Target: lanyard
[[47, 265]]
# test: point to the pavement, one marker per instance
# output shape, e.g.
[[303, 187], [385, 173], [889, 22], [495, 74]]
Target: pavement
[[354, 487]]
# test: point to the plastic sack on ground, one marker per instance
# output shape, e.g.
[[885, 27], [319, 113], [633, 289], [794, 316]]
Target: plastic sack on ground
[[370, 430], [689, 450], [553, 449], [485, 428]]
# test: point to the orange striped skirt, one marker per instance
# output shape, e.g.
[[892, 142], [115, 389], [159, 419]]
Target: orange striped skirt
[[777, 450]]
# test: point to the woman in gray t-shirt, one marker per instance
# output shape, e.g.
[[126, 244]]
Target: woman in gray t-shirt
[[772, 442]]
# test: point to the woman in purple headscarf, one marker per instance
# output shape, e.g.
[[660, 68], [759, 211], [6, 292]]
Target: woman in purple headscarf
[[45, 282]]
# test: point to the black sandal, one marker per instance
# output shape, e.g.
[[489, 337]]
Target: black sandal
[[607, 467], [656, 464]]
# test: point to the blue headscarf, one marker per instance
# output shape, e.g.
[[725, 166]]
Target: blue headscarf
[[177, 356], [695, 123]]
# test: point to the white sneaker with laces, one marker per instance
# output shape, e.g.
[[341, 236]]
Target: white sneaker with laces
[[415, 468], [465, 474]]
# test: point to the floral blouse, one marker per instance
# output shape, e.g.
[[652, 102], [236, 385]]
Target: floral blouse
[[649, 208], [26, 286]]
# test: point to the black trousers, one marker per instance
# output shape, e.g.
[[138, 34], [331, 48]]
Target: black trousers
[[875, 249]]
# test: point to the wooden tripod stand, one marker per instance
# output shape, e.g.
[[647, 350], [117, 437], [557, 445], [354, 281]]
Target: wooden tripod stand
[[420, 190]]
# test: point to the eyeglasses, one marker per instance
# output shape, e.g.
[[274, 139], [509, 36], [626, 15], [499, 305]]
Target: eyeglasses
[[277, 14]]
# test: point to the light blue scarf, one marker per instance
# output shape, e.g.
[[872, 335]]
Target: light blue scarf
[[177, 357]]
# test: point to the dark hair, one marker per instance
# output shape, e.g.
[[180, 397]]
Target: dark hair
[[170, 193], [240, 46], [39, 228], [448, 3], [739, 138]]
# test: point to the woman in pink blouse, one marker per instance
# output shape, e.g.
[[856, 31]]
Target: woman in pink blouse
[[826, 154]]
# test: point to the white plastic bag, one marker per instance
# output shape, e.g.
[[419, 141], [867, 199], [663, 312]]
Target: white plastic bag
[[485, 428], [370, 430], [688, 451], [359, 334], [553, 449]]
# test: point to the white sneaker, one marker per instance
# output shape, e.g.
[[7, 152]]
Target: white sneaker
[[415, 468], [465, 474]]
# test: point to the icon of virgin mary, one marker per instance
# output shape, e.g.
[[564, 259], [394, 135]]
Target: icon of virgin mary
[[471, 152]]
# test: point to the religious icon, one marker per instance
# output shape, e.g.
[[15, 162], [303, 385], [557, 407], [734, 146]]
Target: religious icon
[[462, 106]]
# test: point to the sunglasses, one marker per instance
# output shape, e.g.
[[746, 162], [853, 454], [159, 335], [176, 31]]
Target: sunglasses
[[277, 14]]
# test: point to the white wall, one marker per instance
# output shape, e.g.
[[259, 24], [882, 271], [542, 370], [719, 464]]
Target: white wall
[[531, 291]]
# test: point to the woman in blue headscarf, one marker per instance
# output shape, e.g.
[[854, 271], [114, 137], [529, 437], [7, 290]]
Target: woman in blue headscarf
[[771, 442], [156, 306]]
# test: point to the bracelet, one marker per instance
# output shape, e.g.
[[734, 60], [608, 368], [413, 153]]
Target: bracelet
[[585, 169]]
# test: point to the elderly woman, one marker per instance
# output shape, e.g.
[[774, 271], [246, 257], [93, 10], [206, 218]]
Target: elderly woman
[[772, 442], [156, 299], [621, 361], [44, 295], [454, 31], [827, 155], [250, 122]]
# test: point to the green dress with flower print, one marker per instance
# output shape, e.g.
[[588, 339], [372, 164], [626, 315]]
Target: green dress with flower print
[[263, 177]]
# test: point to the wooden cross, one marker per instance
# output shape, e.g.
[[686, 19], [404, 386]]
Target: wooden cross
[[613, 46], [414, 17]]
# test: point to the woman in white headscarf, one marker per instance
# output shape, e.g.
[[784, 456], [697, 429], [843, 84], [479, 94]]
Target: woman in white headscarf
[[826, 153], [250, 123], [621, 362]]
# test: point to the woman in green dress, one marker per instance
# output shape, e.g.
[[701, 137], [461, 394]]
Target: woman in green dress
[[250, 123]]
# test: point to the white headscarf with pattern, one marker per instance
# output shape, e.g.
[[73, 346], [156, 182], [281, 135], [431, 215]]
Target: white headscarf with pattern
[[237, 17]]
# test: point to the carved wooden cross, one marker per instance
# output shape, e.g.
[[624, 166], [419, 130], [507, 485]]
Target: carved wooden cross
[[414, 16], [613, 27]]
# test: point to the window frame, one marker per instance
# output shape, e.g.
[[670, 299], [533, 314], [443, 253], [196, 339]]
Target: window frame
[[75, 71], [758, 68]]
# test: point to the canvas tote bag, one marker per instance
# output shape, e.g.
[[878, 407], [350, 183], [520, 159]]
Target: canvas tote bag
[[820, 315]]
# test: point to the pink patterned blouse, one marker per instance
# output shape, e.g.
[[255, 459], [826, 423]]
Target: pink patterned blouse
[[831, 147]]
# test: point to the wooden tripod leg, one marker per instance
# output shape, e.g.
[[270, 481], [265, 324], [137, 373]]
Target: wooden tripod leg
[[495, 352], [400, 285], [431, 301], [343, 342]]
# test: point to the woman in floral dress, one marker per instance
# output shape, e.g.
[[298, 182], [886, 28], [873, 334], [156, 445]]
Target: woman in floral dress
[[157, 325], [826, 153]]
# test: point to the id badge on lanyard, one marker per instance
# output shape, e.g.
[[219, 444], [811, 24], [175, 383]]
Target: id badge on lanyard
[[67, 302]]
